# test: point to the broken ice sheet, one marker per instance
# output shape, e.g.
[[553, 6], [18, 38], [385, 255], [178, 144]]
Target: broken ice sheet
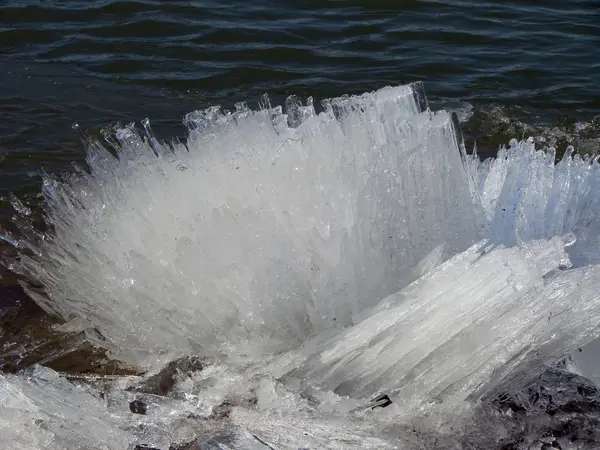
[[41, 410], [459, 330]]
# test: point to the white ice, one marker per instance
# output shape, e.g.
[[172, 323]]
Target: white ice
[[269, 232], [318, 260], [41, 410]]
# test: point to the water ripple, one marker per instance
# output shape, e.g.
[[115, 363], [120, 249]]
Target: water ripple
[[96, 62]]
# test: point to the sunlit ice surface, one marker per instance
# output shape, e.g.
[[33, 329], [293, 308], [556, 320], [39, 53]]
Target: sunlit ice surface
[[314, 262]]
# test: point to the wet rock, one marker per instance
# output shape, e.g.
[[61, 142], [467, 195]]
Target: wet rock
[[492, 126], [162, 382], [28, 335], [558, 410], [138, 407], [383, 401], [556, 391], [221, 411]]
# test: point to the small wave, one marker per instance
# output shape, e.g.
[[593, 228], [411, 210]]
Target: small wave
[[489, 127]]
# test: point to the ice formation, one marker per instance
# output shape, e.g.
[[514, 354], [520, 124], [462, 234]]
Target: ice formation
[[270, 232], [317, 260]]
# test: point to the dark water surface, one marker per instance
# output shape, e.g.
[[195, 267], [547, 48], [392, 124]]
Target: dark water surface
[[98, 62]]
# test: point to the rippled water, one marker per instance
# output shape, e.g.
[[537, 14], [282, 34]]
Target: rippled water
[[97, 62]]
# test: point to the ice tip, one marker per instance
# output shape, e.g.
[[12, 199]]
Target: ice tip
[[82, 135], [18, 205], [418, 88], [264, 104], [458, 135]]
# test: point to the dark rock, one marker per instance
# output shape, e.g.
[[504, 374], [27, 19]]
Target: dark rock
[[555, 391], [223, 410], [28, 335], [145, 447], [510, 446], [383, 401], [137, 407], [187, 446], [557, 406], [162, 383]]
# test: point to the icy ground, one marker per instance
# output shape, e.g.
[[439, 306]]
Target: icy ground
[[310, 264]]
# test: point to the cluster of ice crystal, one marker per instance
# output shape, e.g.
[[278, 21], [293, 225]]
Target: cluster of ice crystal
[[271, 233], [320, 260], [526, 196]]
